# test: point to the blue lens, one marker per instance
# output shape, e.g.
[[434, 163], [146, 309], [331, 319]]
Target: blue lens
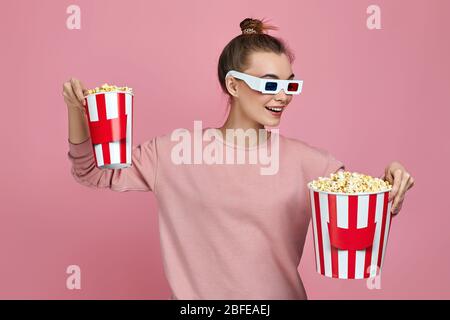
[[271, 86]]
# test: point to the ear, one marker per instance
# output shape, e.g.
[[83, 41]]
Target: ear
[[232, 86]]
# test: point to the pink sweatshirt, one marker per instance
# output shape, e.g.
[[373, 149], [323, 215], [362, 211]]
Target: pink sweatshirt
[[226, 230]]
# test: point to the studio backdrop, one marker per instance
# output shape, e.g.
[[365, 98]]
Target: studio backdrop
[[376, 89]]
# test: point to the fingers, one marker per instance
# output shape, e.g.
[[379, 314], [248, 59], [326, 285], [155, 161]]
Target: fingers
[[78, 90], [397, 179], [69, 96], [400, 194], [388, 177], [411, 182], [399, 207], [68, 92]]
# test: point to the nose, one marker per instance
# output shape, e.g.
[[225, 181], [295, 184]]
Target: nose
[[281, 96]]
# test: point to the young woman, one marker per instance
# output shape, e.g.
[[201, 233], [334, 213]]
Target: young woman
[[227, 231]]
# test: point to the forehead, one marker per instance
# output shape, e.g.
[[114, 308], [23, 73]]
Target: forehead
[[260, 63]]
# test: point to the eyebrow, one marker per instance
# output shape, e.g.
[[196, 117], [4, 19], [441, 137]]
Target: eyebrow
[[271, 75]]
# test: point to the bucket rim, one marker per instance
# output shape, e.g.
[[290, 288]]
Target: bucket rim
[[348, 194], [113, 91]]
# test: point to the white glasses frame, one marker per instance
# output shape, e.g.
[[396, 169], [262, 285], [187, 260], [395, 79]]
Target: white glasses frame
[[259, 84]]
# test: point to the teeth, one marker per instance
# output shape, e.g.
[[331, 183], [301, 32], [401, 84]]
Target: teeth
[[275, 109]]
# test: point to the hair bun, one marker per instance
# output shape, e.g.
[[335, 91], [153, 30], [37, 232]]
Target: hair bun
[[249, 25], [255, 26]]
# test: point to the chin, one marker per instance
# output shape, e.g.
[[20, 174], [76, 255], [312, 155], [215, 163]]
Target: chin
[[274, 123], [271, 122]]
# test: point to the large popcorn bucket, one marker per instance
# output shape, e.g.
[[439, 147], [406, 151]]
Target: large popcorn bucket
[[350, 232], [110, 118]]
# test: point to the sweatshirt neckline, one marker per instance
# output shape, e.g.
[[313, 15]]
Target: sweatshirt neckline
[[262, 145]]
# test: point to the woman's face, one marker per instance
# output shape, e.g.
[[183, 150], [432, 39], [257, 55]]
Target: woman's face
[[253, 104]]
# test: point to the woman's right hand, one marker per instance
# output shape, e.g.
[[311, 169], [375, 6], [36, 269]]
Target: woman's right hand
[[73, 92]]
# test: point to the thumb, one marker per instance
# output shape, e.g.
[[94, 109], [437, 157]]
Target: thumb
[[388, 177]]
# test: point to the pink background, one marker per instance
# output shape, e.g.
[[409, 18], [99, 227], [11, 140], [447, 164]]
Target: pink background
[[370, 97]]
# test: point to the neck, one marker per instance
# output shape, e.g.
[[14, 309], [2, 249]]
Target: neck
[[237, 120]]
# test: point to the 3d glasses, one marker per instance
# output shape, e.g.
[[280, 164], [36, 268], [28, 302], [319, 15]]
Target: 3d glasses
[[268, 86]]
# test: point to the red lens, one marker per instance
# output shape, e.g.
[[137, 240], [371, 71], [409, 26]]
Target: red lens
[[293, 86]]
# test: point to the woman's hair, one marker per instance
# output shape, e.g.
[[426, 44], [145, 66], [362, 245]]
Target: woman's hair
[[235, 55]]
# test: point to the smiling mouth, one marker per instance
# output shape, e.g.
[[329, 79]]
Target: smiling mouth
[[275, 109]]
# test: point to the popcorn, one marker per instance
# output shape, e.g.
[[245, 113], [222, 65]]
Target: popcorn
[[108, 88], [348, 182]]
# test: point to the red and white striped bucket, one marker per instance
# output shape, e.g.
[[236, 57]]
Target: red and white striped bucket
[[350, 232], [110, 118]]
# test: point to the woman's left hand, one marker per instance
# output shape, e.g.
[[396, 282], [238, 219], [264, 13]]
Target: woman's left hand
[[401, 181]]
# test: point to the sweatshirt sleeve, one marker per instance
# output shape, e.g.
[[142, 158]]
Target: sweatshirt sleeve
[[333, 165], [141, 176], [318, 162]]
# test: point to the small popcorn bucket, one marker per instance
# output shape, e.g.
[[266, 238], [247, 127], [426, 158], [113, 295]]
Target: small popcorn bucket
[[110, 118], [350, 232]]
